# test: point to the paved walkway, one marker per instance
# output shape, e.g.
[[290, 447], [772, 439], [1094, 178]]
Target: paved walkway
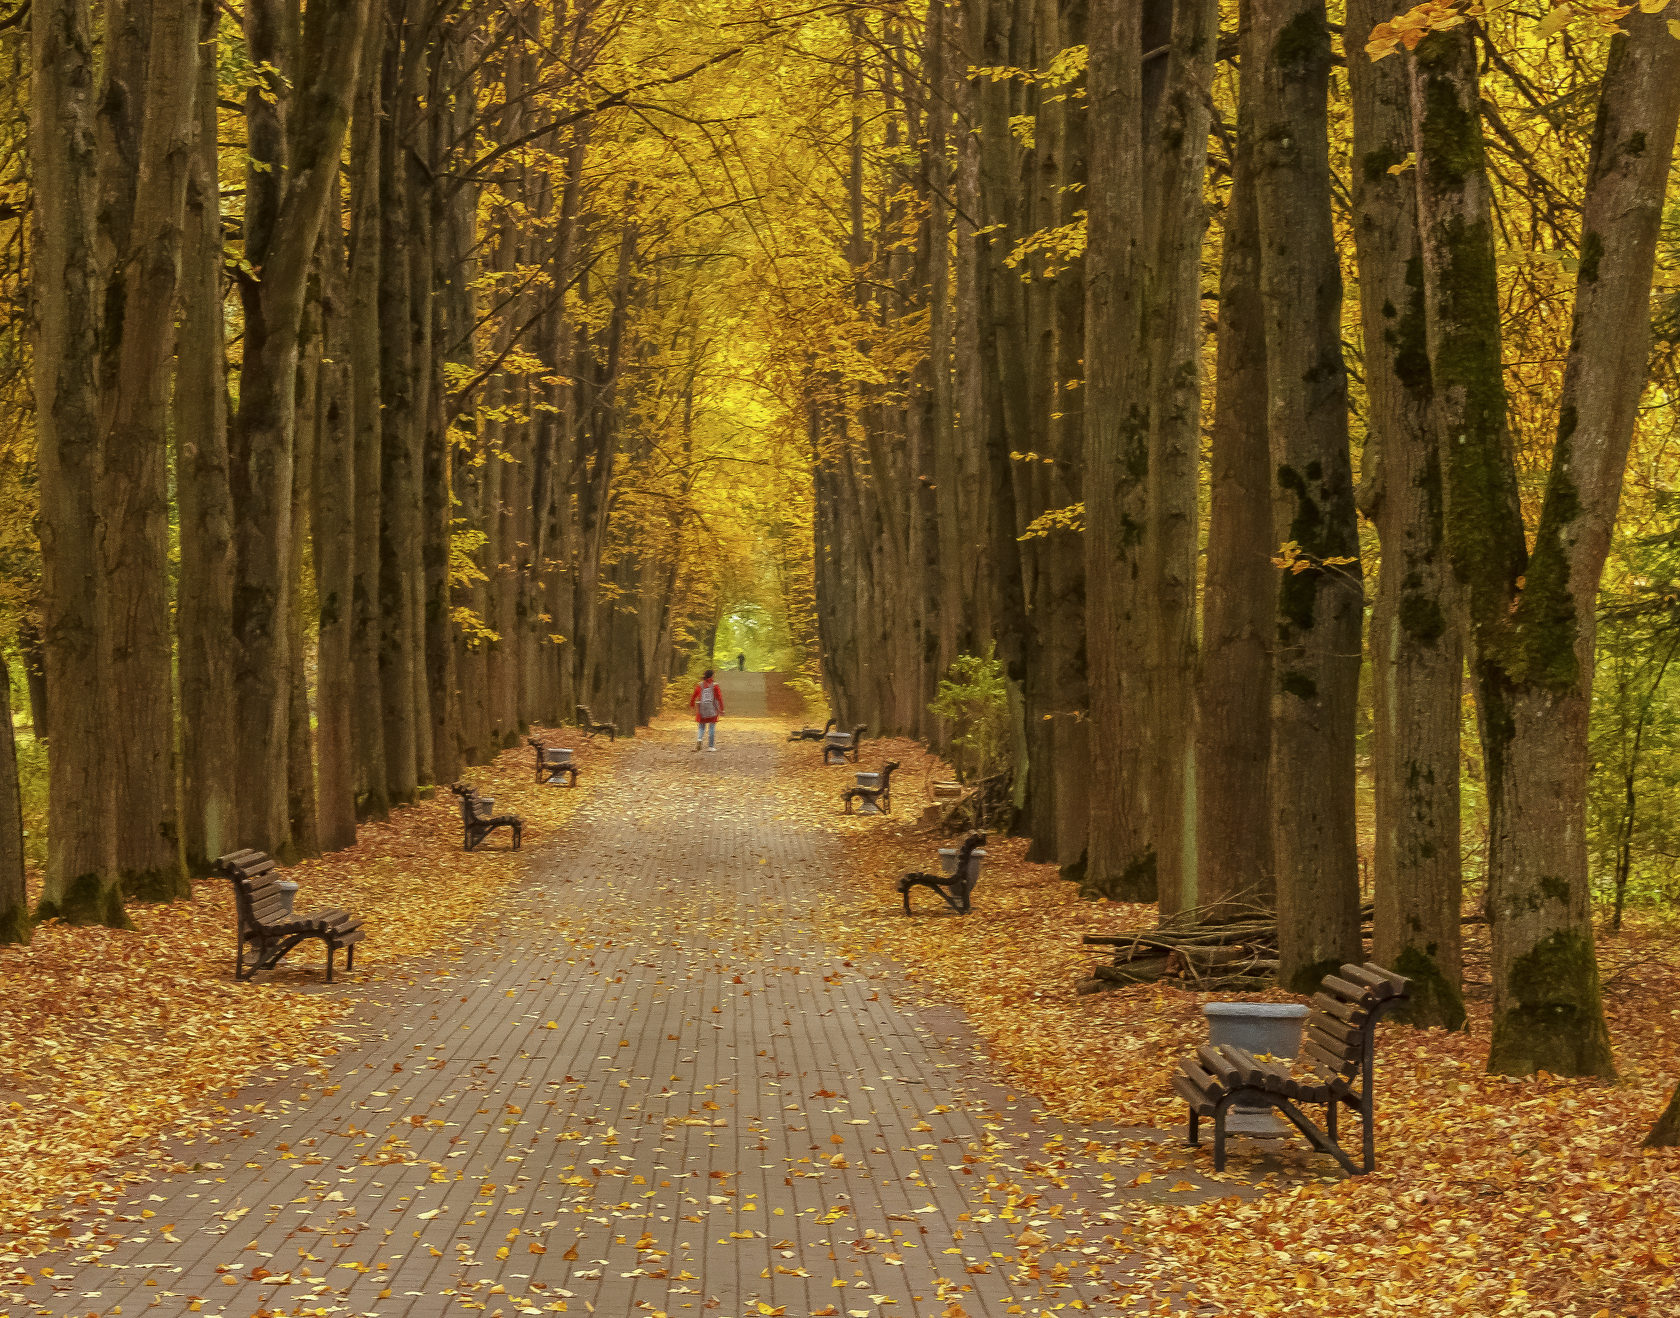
[[655, 1091]]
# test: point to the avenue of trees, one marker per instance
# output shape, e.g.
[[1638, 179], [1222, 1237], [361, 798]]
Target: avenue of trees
[[1282, 396], [1191, 478]]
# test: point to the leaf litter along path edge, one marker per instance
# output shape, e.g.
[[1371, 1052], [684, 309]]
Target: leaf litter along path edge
[[656, 1091]]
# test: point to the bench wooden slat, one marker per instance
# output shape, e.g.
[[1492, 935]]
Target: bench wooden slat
[[1380, 986], [1332, 1065], [1340, 988], [1340, 1031], [1348, 1013], [1208, 1085], [1335, 1045], [1199, 1102]]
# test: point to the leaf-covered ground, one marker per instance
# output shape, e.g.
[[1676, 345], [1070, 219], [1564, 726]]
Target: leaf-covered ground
[[1492, 1196], [112, 1041]]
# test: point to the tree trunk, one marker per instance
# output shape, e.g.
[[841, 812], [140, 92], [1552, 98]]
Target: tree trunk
[[1176, 163], [1234, 698], [300, 738], [367, 722], [1319, 607], [1119, 863], [1666, 1133], [289, 182], [34, 655], [210, 759], [333, 523], [1532, 615], [80, 885], [145, 130], [1417, 660], [398, 479], [14, 896]]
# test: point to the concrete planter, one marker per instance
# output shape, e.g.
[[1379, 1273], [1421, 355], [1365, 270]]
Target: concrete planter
[[287, 888], [1272, 1028]]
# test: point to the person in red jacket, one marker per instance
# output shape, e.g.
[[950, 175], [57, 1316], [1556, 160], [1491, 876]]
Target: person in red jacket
[[707, 704]]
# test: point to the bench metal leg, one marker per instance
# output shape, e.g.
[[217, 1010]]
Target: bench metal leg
[[331, 948], [1195, 1128]]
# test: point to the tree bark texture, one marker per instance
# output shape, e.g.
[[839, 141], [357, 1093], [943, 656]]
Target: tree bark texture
[[1320, 606], [80, 884], [1417, 659], [210, 760], [1234, 694], [1531, 614]]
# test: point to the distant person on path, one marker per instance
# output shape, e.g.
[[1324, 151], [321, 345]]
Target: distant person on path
[[707, 704], [741, 662]]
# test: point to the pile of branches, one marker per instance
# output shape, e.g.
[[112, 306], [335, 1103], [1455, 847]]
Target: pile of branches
[[1232, 948], [985, 804]]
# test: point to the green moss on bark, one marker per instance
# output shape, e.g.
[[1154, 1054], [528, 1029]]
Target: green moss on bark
[[1554, 1020], [1303, 42], [15, 924], [159, 885], [1540, 648], [1308, 977], [1137, 883], [87, 900], [1435, 1000]]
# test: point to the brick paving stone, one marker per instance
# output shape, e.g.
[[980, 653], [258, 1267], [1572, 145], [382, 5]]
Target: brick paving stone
[[654, 1090]]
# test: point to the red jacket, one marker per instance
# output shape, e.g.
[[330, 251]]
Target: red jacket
[[717, 698]]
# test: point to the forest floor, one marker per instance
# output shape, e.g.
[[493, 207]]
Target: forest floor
[[1492, 1196], [684, 1054]]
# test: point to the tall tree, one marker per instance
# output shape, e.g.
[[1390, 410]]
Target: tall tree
[[293, 167], [1234, 693], [14, 896], [1320, 600], [1417, 659], [210, 759], [1532, 612], [145, 134], [80, 884], [1119, 861]]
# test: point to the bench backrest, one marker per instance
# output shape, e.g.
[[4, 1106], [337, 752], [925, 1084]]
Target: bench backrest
[[1341, 1027], [887, 773], [584, 716], [968, 868], [827, 727], [547, 754], [468, 795], [256, 892]]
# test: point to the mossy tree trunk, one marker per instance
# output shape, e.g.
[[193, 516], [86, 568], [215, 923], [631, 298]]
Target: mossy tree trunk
[[1319, 607], [1532, 613], [80, 884], [1234, 696], [1417, 660]]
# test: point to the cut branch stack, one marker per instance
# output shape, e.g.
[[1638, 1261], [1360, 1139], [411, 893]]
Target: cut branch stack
[[1231, 950]]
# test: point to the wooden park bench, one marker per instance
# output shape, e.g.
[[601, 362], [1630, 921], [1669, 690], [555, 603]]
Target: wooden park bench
[[811, 734], [879, 796], [269, 927], [1340, 1044], [593, 727], [956, 887], [553, 761], [477, 823], [838, 744]]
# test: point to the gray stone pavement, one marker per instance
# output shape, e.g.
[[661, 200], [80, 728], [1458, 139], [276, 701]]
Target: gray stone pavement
[[653, 1091]]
